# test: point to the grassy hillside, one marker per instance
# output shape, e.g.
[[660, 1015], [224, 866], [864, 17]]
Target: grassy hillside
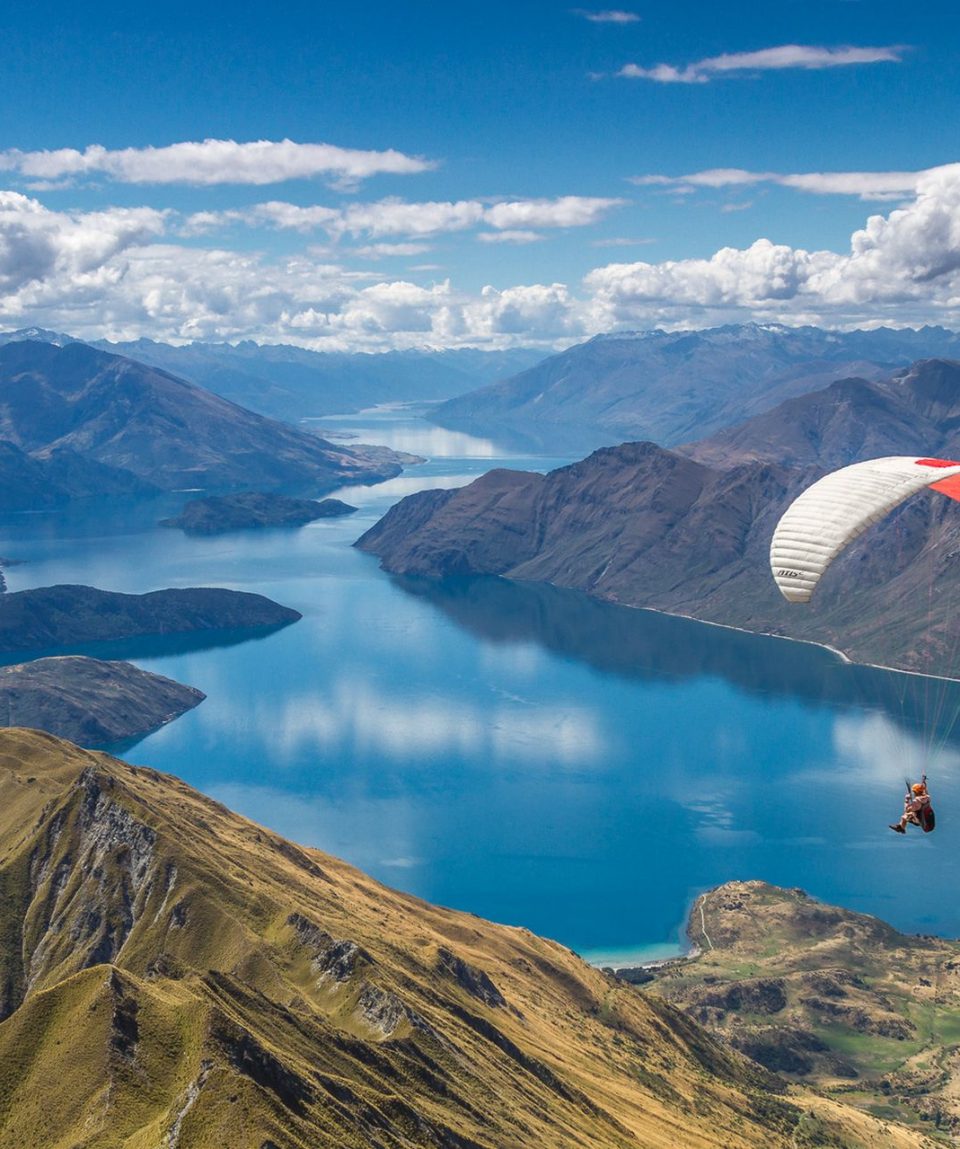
[[829, 997], [172, 974]]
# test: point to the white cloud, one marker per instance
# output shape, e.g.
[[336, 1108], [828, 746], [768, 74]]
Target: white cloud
[[622, 241], [608, 16], [38, 245], [381, 250], [564, 211], [206, 162], [908, 259], [865, 185], [514, 236], [394, 216], [785, 56], [541, 311], [115, 273]]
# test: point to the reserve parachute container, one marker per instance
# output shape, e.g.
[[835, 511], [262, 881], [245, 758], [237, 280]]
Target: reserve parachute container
[[838, 508]]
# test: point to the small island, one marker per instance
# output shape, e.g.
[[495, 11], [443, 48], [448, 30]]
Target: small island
[[220, 513], [55, 617], [91, 702]]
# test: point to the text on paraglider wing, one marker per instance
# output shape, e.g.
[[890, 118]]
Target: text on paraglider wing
[[788, 574]]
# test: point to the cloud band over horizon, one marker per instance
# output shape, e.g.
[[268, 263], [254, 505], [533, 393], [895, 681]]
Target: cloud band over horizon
[[120, 273]]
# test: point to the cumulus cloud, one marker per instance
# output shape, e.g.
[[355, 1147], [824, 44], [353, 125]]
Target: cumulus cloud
[[37, 244], [785, 56], [207, 162], [876, 186], [542, 311], [608, 16], [118, 273], [906, 260]]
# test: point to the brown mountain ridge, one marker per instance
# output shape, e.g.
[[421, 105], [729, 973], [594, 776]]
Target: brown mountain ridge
[[647, 527], [75, 420], [172, 974]]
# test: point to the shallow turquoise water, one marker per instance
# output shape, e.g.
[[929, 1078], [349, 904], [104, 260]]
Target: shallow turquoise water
[[518, 751]]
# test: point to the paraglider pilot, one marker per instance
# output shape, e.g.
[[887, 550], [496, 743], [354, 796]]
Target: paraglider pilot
[[916, 808]]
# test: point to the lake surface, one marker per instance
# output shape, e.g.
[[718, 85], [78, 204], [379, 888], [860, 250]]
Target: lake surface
[[518, 751]]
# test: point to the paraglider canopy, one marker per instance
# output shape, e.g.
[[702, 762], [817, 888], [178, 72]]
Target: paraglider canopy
[[838, 508]]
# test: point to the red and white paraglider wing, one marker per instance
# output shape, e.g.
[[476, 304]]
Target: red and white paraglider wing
[[838, 508]]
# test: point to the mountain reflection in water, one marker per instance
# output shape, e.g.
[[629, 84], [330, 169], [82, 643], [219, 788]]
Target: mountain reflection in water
[[646, 644]]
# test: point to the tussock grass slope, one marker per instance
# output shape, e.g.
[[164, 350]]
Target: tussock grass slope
[[174, 975]]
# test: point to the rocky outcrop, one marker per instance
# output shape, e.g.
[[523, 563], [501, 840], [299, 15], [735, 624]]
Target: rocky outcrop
[[217, 514], [62, 616], [91, 702]]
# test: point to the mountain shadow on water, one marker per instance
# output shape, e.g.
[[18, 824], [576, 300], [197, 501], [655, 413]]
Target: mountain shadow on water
[[645, 644], [150, 645]]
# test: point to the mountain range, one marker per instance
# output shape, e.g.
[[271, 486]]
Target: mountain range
[[76, 421], [644, 526], [674, 387], [173, 974], [292, 383]]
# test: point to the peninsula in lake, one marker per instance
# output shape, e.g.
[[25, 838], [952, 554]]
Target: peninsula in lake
[[824, 996], [220, 513], [644, 526], [89, 701], [55, 617]]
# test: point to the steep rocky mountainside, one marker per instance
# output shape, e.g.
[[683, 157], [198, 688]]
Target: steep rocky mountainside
[[293, 383], [87, 418], [89, 701], [219, 513], [827, 996], [191, 980], [675, 387], [643, 526], [60, 616]]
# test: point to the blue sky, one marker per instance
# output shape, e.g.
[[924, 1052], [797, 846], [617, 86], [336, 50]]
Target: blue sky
[[382, 175]]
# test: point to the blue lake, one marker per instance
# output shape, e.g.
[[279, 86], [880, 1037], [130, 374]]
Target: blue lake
[[519, 751]]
